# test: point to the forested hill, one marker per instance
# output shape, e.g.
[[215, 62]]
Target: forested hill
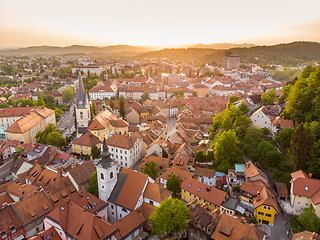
[[286, 54]]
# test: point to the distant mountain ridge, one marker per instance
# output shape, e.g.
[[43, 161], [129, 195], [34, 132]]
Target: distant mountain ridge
[[222, 45], [76, 49]]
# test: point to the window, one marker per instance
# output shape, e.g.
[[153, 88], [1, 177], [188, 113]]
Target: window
[[14, 235], [298, 203], [81, 115], [126, 164], [259, 220], [268, 215], [120, 215], [102, 176], [260, 213], [269, 208], [20, 232], [53, 234], [151, 202], [48, 237], [307, 204], [111, 175], [112, 207]]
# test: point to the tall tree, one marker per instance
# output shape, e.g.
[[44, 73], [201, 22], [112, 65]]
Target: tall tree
[[173, 184], [122, 107], [144, 97], [309, 220], [151, 170], [68, 94], [170, 217], [226, 149], [302, 142], [111, 104], [93, 185], [269, 97], [95, 152]]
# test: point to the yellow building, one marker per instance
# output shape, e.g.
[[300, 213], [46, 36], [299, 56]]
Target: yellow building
[[265, 207], [83, 144], [106, 123], [25, 128], [193, 190]]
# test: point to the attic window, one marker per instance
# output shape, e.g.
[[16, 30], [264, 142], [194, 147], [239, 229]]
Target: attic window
[[189, 185], [19, 189], [306, 188], [88, 197], [62, 208], [198, 189]]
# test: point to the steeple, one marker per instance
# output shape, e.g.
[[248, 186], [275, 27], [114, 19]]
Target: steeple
[[81, 98], [105, 160]]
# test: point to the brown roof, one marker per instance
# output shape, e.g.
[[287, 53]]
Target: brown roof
[[157, 193], [119, 123], [129, 224], [251, 171], [83, 173], [30, 120], [306, 235], [161, 163], [88, 201], [180, 173], [9, 219], [131, 189], [21, 190], [87, 139], [204, 172], [306, 187], [32, 208], [265, 197], [5, 198], [147, 210], [103, 89], [204, 191], [230, 228], [282, 190], [298, 174], [252, 187], [81, 224], [50, 233], [15, 111], [121, 141]]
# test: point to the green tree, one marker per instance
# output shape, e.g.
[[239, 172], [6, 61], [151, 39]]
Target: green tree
[[200, 156], [269, 97], [56, 139], [111, 104], [93, 185], [68, 94], [194, 94], [17, 153], [309, 220], [144, 97], [58, 112], [151, 170], [40, 101], [173, 184], [232, 99], [226, 150], [50, 101], [268, 155], [302, 142], [284, 138], [95, 152], [122, 107], [170, 217], [92, 110]]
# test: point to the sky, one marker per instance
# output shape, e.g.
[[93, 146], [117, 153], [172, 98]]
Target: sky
[[163, 23]]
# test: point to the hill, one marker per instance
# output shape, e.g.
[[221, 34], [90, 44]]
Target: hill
[[286, 54], [222, 45], [76, 49]]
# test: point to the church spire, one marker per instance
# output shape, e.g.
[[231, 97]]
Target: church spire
[[82, 99]]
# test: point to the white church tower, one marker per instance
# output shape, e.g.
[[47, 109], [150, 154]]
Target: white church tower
[[83, 107], [107, 171]]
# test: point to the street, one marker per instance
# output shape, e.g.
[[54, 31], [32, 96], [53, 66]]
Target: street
[[5, 168], [66, 123]]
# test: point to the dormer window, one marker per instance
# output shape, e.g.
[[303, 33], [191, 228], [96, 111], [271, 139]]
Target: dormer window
[[306, 188], [189, 185]]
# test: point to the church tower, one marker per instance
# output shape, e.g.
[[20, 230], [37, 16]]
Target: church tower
[[107, 171], [83, 107]]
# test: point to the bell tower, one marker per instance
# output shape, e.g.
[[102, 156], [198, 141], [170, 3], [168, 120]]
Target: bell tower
[[82, 105], [107, 171]]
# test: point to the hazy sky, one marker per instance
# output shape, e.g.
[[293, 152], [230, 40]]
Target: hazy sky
[[156, 22]]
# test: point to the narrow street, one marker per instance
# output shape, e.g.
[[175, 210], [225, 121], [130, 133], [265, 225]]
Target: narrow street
[[66, 123], [5, 168]]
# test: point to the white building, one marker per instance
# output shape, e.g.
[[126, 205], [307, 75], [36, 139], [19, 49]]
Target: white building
[[102, 92], [92, 69], [126, 150], [261, 118]]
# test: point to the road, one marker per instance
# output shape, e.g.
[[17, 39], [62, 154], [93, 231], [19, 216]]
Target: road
[[171, 121], [66, 123], [5, 168]]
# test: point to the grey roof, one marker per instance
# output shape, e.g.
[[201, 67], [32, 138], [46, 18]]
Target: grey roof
[[105, 161], [231, 203], [122, 177], [81, 97]]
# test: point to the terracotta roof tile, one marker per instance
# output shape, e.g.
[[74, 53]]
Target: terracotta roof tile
[[87, 139]]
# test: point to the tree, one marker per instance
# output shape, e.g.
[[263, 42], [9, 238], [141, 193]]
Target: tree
[[302, 142], [232, 99], [111, 104], [40, 101], [56, 139], [92, 110], [169, 218], [58, 112], [309, 221], [151, 170], [173, 184], [284, 138], [200, 156], [93, 185], [194, 94], [50, 101], [17, 153], [95, 152], [122, 107], [68, 94], [144, 97], [226, 149], [269, 97], [268, 155]]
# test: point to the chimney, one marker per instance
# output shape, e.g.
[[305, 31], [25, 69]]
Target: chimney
[[310, 175], [36, 161], [59, 172], [258, 196]]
